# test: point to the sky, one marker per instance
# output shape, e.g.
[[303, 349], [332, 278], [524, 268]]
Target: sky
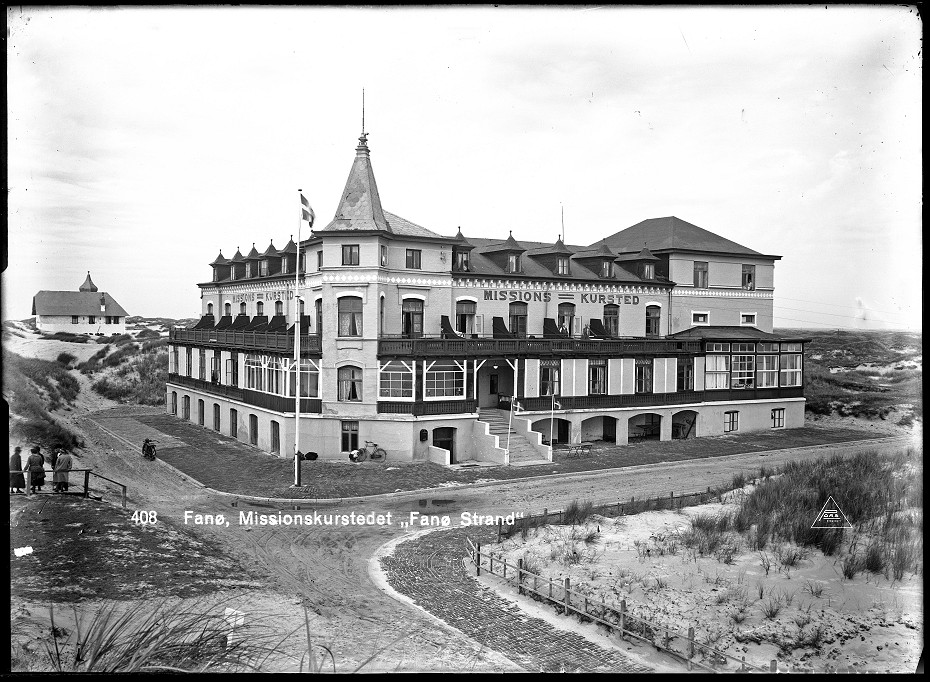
[[142, 141]]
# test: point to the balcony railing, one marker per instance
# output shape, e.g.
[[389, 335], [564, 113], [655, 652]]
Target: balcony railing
[[658, 399], [309, 343], [421, 408], [268, 401], [490, 347]]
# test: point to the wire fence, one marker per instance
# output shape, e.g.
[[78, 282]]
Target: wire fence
[[89, 484]]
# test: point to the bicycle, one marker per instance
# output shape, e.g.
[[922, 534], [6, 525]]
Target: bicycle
[[370, 451], [148, 449]]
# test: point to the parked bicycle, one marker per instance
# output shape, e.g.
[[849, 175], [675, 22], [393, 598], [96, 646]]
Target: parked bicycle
[[370, 451], [148, 449]]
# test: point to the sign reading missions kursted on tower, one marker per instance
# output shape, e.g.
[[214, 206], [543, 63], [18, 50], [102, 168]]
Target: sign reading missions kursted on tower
[[546, 296]]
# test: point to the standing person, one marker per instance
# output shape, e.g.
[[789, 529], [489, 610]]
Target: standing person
[[36, 467], [54, 457], [17, 480], [62, 467]]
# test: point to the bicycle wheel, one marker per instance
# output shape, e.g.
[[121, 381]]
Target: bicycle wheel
[[362, 455], [378, 455]]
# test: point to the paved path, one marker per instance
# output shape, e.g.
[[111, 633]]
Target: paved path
[[429, 570]]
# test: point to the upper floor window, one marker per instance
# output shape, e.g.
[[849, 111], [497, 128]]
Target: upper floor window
[[643, 375], [227, 309], [384, 256], [607, 268], [653, 315], [717, 371], [232, 272], [612, 319], [562, 265], [412, 313], [202, 364], [549, 377], [444, 381], [260, 308], [518, 318], [350, 384], [749, 277], [566, 317], [791, 369], [413, 258], [460, 261], [350, 254], [767, 371], [216, 275], [597, 376], [350, 316], [319, 260], [513, 262], [648, 270], [700, 318], [396, 381], [209, 310], [465, 317], [279, 308], [700, 274], [263, 268], [189, 362], [743, 371], [242, 308], [318, 305], [283, 265], [685, 374], [232, 369]]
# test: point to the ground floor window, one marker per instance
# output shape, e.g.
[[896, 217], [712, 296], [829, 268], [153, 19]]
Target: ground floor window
[[186, 407], [778, 418], [74, 319], [234, 423], [549, 383], [216, 417], [444, 381], [597, 376], [275, 437], [200, 412], [730, 421], [174, 402], [643, 375], [349, 436], [253, 429], [396, 381]]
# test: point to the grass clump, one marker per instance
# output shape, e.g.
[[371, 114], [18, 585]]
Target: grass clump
[[577, 513]]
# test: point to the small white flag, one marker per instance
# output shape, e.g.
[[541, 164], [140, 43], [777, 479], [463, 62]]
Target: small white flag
[[555, 403], [306, 210]]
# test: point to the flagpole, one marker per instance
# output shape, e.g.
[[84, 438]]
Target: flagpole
[[509, 423], [551, 423], [297, 348]]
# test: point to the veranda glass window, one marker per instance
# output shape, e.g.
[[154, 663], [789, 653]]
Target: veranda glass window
[[549, 377], [717, 371]]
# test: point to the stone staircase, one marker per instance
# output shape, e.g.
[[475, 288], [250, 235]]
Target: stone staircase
[[521, 451]]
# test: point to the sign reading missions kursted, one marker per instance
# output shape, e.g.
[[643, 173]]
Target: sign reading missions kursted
[[546, 296], [262, 296]]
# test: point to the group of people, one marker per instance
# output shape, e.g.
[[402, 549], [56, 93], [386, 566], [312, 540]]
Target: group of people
[[35, 464]]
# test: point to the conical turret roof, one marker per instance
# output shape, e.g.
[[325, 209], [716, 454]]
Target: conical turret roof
[[291, 246], [220, 260], [360, 206], [237, 257], [88, 284], [253, 254], [271, 250]]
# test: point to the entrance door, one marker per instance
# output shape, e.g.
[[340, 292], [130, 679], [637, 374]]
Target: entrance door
[[445, 438], [610, 429], [562, 427]]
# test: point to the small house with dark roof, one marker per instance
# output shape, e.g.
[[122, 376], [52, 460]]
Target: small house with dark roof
[[423, 342], [85, 311]]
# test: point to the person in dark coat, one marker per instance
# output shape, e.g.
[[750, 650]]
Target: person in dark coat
[[17, 480], [35, 465], [54, 457]]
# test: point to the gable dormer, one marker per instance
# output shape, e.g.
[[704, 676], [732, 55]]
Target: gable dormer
[[600, 261], [461, 253], [237, 266], [556, 258], [251, 262], [288, 258], [270, 264], [220, 267], [506, 255]]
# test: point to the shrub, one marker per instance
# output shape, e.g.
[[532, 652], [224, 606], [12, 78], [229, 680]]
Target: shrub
[[874, 559], [112, 390], [815, 589], [146, 333], [771, 608], [65, 359], [851, 565], [576, 513]]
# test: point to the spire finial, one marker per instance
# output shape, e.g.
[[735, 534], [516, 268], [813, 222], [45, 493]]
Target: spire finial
[[563, 221], [363, 111]]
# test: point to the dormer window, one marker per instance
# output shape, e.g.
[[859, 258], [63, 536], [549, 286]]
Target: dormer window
[[248, 269], [513, 262], [263, 268], [607, 268], [460, 261], [649, 270], [216, 275], [232, 272], [562, 265]]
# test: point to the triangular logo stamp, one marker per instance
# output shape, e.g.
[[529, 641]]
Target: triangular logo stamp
[[831, 516]]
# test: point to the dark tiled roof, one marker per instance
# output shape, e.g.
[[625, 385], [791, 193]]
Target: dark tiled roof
[[360, 206], [220, 260], [405, 228], [75, 303], [237, 257], [88, 284], [731, 333], [510, 245], [553, 249], [291, 246], [271, 250], [253, 254], [671, 234]]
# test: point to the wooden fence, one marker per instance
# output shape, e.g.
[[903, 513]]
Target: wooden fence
[[621, 618], [89, 484]]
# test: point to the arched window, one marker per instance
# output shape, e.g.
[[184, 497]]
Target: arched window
[[612, 319], [566, 317], [518, 318], [412, 314], [350, 316], [278, 307], [227, 309], [653, 313], [350, 383], [242, 308], [210, 308], [260, 308]]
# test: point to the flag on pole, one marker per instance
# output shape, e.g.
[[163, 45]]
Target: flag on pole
[[556, 405], [517, 407], [306, 210]]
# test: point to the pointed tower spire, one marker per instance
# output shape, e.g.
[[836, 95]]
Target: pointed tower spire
[[360, 206], [88, 284]]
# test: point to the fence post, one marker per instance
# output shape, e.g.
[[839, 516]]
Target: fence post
[[550, 588], [28, 483], [504, 564], [742, 666], [124, 495], [478, 559], [499, 531], [622, 616], [546, 516], [690, 645], [87, 483], [535, 583], [632, 504], [520, 575], [566, 594]]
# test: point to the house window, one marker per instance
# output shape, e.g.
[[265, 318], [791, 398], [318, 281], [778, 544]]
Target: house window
[[350, 316], [717, 371], [283, 265], [562, 265], [349, 436], [260, 308], [653, 315], [612, 319], [263, 268], [791, 370], [186, 407], [444, 381], [730, 421], [747, 319], [91, 319], [413, 258], [767, 371], [254, 374], [460, 261], [718, 347], [607, 268], [465, 317], [549, 377], [115, 320], [189, 363], [279, 308], [768, 347], [242, 308], [232, 273], [566, 317], [700, 318], [234, 423], [74, 319], [518, 318], [597, 376], [648, 270], [350, 384], [349, 254], [743, 372], [200, 412], [175, 366], [216, 417], [749, 277], [108, 319], [384, 256], [778, 418], [248, 269], [513, 262], [232, 370], [215, 367], [319, 260], [412, 318], [791, 347], [253, 429], [643, 372], [227, 309], [309, 380], [685, 374], [396, 381], [700, 274], [318, 304], [174, 403], [275, 437]]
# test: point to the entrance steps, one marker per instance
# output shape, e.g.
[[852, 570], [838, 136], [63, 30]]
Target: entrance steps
[[522, 452]]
